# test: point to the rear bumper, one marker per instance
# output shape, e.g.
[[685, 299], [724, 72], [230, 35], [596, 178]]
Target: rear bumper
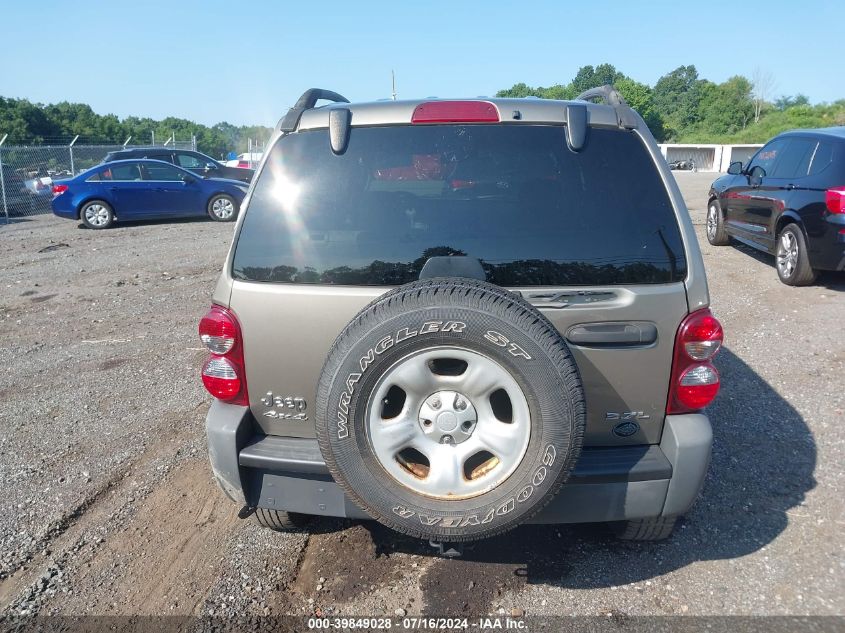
[[63, 208], [608, 484], [827, 250]]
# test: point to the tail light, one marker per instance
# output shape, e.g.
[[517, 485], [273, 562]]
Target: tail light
[[835, 200], [695, 382], [243, 164], [224, 373], [59, 189]]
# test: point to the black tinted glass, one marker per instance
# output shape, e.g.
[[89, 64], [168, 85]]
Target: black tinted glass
[[157, 171], [768, 156], [795, 159], [822, 158], [125, 171], [514, 197], [189, 161]]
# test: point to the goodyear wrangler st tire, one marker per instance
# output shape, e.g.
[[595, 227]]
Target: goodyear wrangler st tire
[[450, 409]]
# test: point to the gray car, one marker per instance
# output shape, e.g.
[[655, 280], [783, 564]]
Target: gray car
[[457, 316]]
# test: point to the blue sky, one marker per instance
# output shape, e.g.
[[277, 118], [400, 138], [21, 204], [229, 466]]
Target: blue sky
[[246, 62]]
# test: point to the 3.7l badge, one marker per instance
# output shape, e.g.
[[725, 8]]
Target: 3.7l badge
[[626, 415], [626, 421], [284, 407]]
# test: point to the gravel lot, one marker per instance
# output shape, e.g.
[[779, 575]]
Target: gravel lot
[[109, 507]]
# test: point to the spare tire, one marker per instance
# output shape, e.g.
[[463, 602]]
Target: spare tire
[[450, 409]]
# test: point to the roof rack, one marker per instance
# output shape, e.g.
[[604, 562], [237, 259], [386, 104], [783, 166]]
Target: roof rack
[[307, 101], [608, 94]]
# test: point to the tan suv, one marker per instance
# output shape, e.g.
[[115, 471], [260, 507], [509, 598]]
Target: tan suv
[[456, 316]]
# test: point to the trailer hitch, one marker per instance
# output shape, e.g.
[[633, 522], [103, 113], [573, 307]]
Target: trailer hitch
[[448, 550]]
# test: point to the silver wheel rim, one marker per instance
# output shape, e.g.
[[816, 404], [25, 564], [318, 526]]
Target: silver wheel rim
[[787, 256], [96, 215], [712, 221], [451, 421], [223, 208]]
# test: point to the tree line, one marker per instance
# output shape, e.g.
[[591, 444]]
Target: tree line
[[681, 107], [37, 124]]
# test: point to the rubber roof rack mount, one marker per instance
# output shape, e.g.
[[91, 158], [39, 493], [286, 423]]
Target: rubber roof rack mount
[[611, 96], [307, 101], [608, 94]]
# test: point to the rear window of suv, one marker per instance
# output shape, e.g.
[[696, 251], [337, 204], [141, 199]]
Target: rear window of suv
[[514, 197]]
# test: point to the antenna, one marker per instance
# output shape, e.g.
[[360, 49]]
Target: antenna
[[393, 81]]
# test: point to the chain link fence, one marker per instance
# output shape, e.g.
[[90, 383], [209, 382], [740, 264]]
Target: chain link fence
[[27, 172]]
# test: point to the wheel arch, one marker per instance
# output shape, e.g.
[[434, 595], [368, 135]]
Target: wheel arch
[[714, 197], [789, 217], [222, 192]]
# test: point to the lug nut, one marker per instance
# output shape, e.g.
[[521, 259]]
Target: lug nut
[[435, 403], [426, 422], [446, 439], [460, 404]]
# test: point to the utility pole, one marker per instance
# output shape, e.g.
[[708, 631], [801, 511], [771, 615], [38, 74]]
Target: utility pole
[[393, 82]]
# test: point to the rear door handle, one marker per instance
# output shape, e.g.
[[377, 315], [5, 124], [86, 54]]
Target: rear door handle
[[612, 333]]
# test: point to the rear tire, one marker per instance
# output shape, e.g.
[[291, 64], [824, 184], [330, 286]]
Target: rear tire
[[654, 529], [791, 259], [716, 233], [281, 521], [417, 393], [96, 214]]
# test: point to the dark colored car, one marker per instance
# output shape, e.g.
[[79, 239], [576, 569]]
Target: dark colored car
[[186, 159], [143, 190], [789, 201]]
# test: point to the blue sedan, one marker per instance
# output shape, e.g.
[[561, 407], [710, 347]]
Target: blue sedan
[[144, 190]]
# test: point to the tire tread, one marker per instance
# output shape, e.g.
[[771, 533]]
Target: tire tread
[[280, 521], [653, 529]]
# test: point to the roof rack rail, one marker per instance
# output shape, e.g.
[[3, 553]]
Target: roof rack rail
[[607, 93], [307, 101]]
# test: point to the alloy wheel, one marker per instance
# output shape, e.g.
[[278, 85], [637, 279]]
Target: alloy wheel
[[787, 254], [97, 215], [712, 221], [223, 208]]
